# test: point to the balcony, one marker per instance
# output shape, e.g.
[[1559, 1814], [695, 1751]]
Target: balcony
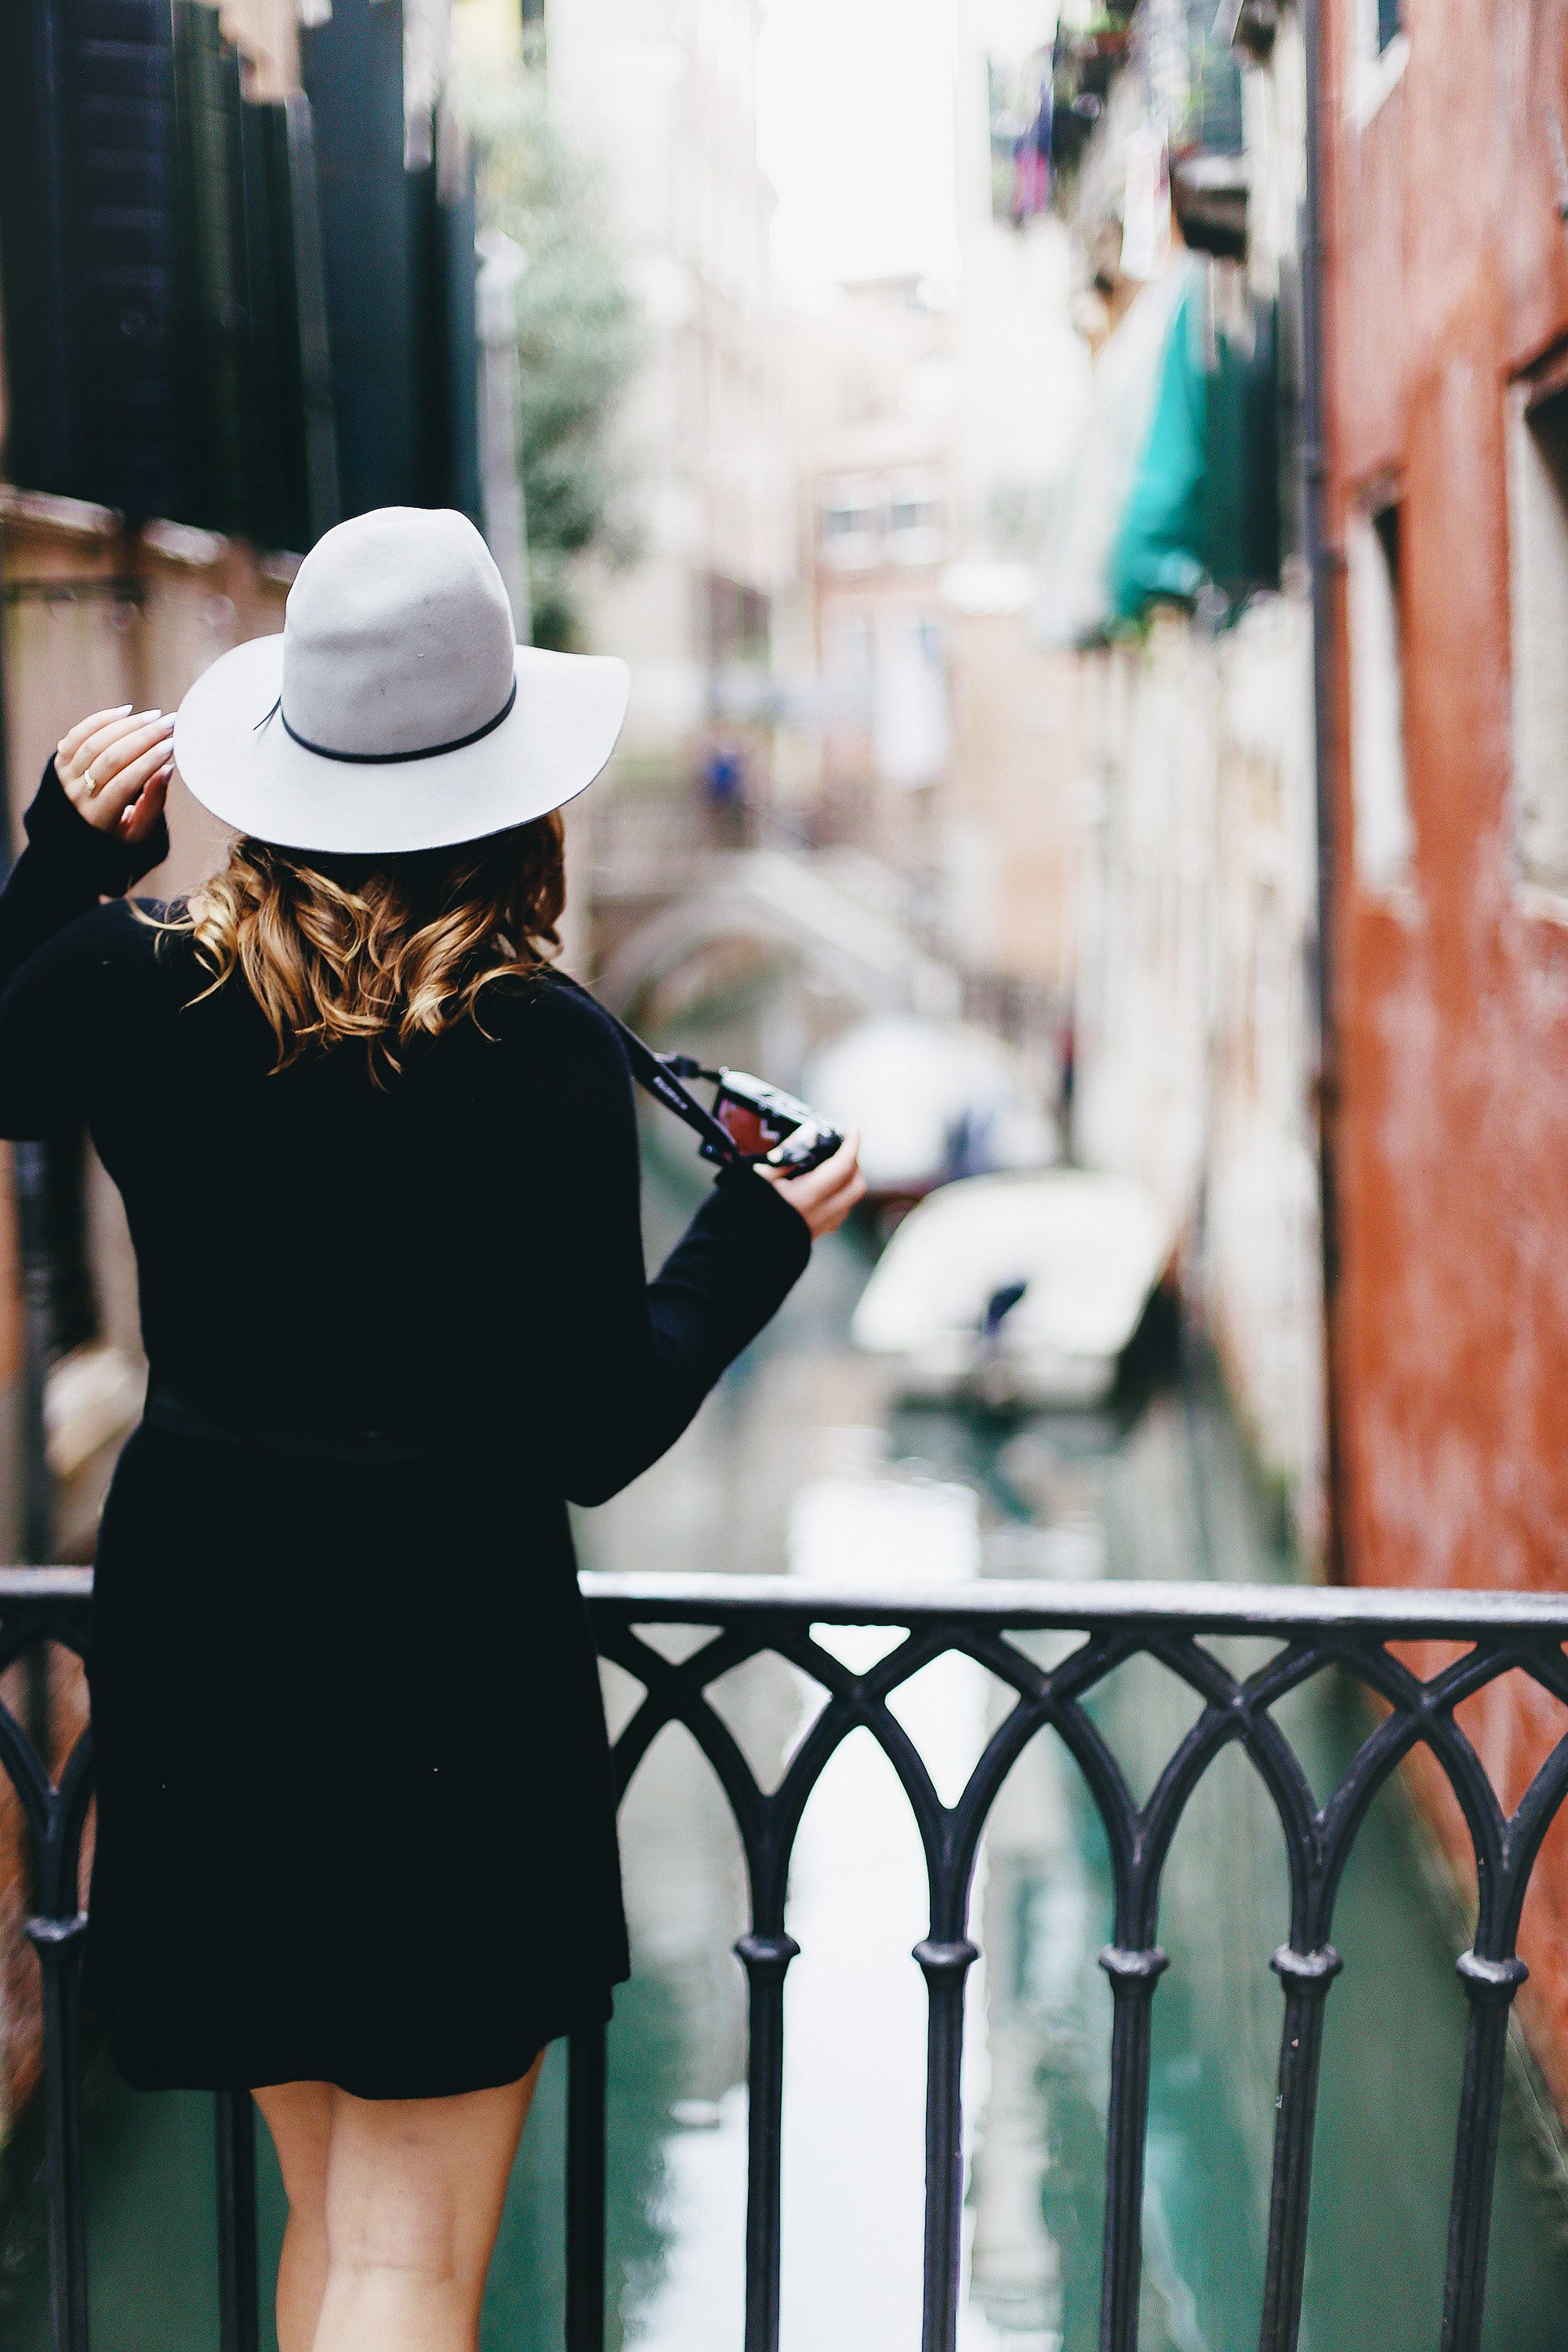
[[1051, 1645]]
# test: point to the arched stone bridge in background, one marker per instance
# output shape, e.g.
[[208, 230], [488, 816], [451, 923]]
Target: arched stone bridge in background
[[663, 891]]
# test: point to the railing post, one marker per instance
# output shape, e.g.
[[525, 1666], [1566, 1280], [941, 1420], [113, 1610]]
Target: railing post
[[945, 1966], [1307, 1976], [586, 2088], [766, 1959], [1489, 1987], [58, 1943], [235, 2120], [1133, 1976]]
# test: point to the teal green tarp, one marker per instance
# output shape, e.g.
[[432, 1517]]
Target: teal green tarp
[[1204, 498], [1161, 546]]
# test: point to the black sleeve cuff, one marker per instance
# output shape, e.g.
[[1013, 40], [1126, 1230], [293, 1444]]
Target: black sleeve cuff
[[106, 862], [775, 1227]]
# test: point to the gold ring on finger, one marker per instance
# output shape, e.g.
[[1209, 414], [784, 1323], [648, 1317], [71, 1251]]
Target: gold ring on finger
[[90, 780]]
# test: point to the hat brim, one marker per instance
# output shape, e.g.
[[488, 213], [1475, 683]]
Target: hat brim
[[555, 740]]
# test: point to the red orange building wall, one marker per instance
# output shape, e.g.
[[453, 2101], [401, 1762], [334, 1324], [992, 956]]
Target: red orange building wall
[[1447, 287]]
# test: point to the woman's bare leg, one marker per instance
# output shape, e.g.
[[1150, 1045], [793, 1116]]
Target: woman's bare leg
[[298, 2115], [413, 2196]]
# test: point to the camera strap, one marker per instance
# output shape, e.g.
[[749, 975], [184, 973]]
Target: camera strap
[[653, 1073]]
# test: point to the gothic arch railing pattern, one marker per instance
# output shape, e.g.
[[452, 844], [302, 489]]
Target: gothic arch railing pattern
[[1174, 1625]]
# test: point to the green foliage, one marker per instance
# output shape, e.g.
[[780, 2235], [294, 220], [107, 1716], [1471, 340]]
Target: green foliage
[[579, 342]]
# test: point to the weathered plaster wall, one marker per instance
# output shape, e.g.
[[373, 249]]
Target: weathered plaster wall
[[1196, 1035], [1449, 276]]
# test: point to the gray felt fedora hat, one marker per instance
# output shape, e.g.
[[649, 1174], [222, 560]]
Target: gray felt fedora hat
[[396, 712]]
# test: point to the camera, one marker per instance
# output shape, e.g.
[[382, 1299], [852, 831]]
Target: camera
[[761, 1121], [751, 1120]]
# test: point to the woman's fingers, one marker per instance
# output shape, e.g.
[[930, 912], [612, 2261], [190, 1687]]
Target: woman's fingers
[[118, 787], [838, 1203], [822, 1183], [98, 742], [85, 727], [847, 1188], [114, 747], [825, 1196], [138, 821], [110, 764]]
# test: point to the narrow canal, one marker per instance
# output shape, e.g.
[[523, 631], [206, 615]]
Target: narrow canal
[[802, 1463]]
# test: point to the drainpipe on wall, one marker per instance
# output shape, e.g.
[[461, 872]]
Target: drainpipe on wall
[[1325, 563]]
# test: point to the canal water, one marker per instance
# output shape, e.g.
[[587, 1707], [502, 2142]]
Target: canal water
[[802, 1462]]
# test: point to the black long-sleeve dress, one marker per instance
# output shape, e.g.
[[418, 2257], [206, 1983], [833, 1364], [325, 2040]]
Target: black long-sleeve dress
[[355, 1820]]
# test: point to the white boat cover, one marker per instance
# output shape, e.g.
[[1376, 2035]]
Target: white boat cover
[[1089, 1249]]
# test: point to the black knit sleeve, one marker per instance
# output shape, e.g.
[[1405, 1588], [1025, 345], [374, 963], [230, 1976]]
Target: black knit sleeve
[[631, 1359], [66, 868]]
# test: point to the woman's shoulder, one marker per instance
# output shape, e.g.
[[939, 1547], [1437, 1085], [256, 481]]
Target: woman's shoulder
[[565, 1046], [137, 940], [545, 1012], [118, 937], [103, 984]]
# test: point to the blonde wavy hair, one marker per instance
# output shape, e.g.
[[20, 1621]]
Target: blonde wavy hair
[[377, 953]]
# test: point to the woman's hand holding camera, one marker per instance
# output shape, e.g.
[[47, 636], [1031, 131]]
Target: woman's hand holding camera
[[826, 1195], [115, 768]]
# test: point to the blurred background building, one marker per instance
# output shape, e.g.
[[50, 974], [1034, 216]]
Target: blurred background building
[[1175, 562], [667, 98], [1450, 479]]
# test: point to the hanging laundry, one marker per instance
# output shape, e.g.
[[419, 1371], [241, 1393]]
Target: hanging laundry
[[1075, 606], [1204, 503], [1146, 205], [1032, 164], [266, 35], [426, 63], [1160, 549]]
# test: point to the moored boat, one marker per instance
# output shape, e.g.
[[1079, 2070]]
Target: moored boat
[[1017, 1289]]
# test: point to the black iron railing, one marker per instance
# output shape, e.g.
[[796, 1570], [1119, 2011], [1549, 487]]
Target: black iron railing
[[1173, 1624]]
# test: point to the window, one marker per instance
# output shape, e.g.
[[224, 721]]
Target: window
[[1379, 50], [1538, 583], [849, 522], [914, 519], [915, 514], [1379, 800], [738, 621], [910, 714]]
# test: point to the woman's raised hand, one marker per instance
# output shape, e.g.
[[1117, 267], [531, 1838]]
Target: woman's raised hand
[[115, 768], [826, 1195]]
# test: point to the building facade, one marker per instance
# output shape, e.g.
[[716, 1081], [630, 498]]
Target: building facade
[[1175, 579], [1448, 313], [876, 526], [664, 99]]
